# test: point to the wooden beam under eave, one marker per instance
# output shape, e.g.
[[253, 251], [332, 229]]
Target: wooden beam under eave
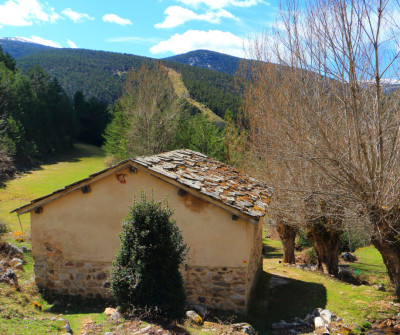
[[85, 182]]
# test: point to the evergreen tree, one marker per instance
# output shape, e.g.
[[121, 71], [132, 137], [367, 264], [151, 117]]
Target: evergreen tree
[[145, 274], [199, 133]]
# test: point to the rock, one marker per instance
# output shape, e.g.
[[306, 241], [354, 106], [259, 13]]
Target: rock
[[349, 257], [196, 318], [319, 322], [9, 277], [201, 310], [67, 327], [326, 315], [17, 263], [338, 319], [292, 331], [380, 288], [25, 249], [109, 311], [308, 318], [316, 312], [326, 330], [10, 250], [244, 328], [54, 319], [116, 315]]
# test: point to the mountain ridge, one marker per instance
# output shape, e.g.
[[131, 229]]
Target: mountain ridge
[[101, 74], [206, 59]]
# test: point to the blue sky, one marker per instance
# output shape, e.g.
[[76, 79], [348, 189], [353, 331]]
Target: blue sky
[[153, 28]]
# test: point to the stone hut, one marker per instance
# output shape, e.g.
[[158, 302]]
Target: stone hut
[[219, 211]]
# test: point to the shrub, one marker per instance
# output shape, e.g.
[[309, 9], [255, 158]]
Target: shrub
[[3, 229], [302, 241], [145, 275], [311, 257]]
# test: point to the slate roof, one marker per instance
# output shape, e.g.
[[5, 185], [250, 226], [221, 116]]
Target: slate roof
[[212, 178], [196, 171]]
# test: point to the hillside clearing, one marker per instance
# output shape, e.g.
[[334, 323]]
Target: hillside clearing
[[182, 91]]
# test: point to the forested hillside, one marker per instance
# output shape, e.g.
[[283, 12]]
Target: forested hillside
[[19, 48], [101, 74], [97, 73]]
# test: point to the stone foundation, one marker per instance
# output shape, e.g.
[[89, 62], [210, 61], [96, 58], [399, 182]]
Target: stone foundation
[[224, 288], [73, 278], [216, 287]]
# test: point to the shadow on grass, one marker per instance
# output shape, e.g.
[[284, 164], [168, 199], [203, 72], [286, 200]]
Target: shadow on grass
[[70, 155], [272, 252], [71, 305], [278, 298], [364, 267]]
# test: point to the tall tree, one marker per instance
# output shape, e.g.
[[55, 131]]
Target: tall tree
[[336, 111], [150, 108]]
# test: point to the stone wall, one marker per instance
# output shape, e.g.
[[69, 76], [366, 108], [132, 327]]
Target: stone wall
[[72, 278], [225, 288], [216, 287]]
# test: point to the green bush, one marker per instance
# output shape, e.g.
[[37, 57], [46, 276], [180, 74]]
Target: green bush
[[145, 276], [302, 240], [3, 229], [311, 257]]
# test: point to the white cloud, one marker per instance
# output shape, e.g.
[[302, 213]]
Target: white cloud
[[216, 4], [177, 15], [112, 18], [75, 16], [25, 13], [40, 40], [71, 44], [215, 40]]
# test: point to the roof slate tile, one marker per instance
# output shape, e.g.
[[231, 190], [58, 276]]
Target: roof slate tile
[[212, 178]]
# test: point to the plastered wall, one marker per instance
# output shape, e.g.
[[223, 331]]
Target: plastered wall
[[86, 226]]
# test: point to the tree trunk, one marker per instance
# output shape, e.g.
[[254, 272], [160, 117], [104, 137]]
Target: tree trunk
[[287, 234], [391, 257], [386, 225], [326, 245]]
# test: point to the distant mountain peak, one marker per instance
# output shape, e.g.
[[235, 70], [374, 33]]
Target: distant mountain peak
[[207, 59]]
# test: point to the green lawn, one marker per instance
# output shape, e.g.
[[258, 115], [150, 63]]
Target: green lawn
[[370, 264], [66, 169], [306, 290], [25, 318]]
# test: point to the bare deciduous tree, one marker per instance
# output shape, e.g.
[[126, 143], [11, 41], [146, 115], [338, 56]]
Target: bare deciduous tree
[[153, 108], [329, 109]]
